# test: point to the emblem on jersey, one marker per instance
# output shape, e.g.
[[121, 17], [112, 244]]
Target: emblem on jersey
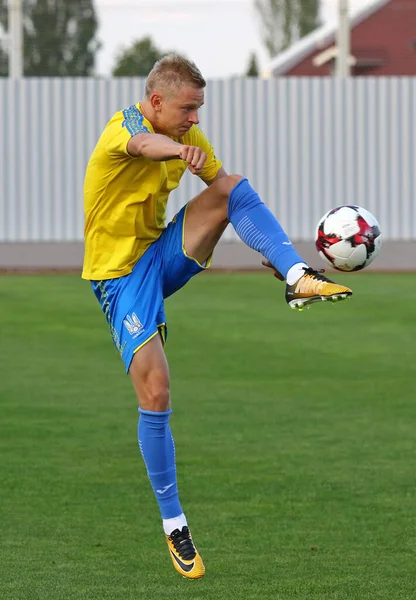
[[133, 325], [133, 121]]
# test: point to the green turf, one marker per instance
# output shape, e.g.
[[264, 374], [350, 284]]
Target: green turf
[[295, 438]]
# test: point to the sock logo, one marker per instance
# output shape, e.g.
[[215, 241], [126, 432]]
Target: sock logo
[[165, 489]]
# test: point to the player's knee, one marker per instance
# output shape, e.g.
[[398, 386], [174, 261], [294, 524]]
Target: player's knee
[[155, 398], [223, 187], [233, 180], [226, 184]]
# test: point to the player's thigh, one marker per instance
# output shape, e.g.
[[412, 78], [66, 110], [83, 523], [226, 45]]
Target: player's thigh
[[133, 305], [177, 268], [149, 373], [207, 217]]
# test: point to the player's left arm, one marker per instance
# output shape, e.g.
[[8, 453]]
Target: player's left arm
[[212, 169], [220, 174]]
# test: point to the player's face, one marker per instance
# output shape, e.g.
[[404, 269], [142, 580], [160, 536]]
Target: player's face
[[178, 112]]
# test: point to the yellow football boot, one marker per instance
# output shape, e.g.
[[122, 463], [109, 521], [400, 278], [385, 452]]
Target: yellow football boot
[[314, 287], [184, 555]]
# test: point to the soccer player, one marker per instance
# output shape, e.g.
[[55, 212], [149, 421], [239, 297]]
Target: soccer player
[[134, 261]]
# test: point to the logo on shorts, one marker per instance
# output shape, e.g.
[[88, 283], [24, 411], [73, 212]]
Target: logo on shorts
[[134, 327]]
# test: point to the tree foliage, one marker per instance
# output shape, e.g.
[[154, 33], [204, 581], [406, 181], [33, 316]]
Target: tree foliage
[[59, 37], [138, 59], [285, 21], [253, 69], [3, 62]]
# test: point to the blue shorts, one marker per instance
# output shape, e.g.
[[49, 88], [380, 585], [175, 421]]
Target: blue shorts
[[134, 304]]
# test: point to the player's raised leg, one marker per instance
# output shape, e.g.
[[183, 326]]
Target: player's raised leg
[[232, 199], [150, 376]]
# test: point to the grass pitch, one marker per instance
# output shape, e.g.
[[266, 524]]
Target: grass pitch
[[295, 438]]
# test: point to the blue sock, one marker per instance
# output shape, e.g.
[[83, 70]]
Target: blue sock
[[158, 451], [259, 229]]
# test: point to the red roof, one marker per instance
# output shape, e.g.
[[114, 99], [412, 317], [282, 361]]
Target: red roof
[[322, 37]]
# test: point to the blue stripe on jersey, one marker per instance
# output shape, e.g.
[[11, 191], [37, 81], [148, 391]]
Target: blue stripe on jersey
[[133, 121]]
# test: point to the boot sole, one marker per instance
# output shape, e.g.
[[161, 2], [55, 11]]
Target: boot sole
[[300, 303]]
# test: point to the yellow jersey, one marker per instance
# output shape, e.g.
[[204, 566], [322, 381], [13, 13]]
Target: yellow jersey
[[125, 197]]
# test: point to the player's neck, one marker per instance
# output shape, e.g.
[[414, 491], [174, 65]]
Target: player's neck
[[149, 114]]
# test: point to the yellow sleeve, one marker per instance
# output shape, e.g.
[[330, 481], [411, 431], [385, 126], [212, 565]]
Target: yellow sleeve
[[195, 137], [121, 128]]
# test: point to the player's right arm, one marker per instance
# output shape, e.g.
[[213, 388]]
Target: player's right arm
[[158, 147], [154, 146]]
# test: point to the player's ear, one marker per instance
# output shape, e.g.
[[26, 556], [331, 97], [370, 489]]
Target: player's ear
[[156, 101]]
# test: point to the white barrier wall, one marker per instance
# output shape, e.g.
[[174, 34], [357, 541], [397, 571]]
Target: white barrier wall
[[305, 144]]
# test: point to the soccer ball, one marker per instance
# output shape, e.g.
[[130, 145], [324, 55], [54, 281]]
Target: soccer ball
[[348, 238]]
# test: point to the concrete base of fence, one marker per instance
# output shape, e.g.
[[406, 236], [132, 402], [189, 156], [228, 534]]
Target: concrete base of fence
[[47, 256]]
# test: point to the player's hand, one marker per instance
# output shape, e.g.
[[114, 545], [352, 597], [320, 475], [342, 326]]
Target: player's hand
[[267, 263], [194, 156]]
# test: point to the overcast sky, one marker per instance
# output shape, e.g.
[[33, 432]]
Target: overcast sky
[[218, 35]]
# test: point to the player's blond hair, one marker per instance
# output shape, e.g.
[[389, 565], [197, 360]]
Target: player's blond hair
[[172, 72]]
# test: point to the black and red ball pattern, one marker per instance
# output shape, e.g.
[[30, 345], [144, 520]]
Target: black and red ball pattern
[[366, 235]]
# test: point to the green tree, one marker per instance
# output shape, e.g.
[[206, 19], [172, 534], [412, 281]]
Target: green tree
[[3, 31], [253, 69], [138, 59], [285, 21], [59, 37], [3, 63]]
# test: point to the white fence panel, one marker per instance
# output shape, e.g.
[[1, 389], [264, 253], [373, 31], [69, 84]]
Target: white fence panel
[[306, 145]]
